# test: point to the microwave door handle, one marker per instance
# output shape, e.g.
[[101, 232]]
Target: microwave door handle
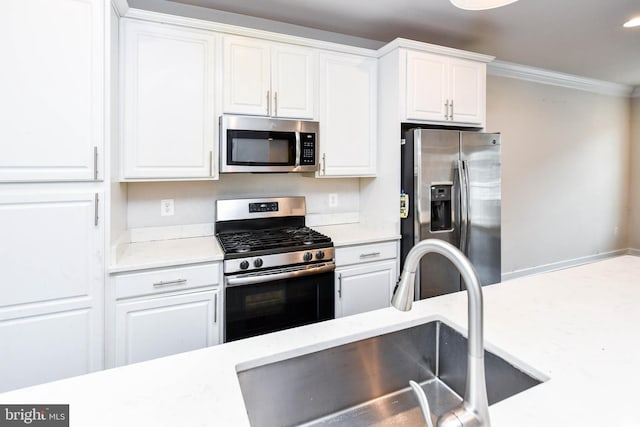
[[297, 149]]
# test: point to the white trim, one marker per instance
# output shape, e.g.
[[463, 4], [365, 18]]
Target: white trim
[[432, 48], [636, 92], [151, 16], [120, 6], [540, 75], [560, 265]]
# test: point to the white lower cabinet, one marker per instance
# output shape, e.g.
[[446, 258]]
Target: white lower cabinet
[[161, 312], [365, 277], [51, 296], [151, 328], [364, 288]]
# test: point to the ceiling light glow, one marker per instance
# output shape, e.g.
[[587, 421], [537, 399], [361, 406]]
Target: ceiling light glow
[[635, 22], [480, 4]]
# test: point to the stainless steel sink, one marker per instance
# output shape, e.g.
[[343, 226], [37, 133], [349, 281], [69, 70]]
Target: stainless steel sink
[[366, 382]]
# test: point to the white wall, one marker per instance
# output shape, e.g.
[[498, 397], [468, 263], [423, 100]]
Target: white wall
[[565, 172], [195, 201], [634, 194]]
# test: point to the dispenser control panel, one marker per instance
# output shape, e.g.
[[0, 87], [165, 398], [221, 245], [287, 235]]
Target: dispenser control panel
[[441, 214]]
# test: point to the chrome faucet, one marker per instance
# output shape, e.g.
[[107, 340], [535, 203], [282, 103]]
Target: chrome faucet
[[474, 411]]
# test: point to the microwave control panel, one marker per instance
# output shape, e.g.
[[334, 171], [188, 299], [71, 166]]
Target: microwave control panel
[[307, 148]]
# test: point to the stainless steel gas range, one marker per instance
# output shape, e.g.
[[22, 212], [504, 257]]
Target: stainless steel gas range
[[278, 273]]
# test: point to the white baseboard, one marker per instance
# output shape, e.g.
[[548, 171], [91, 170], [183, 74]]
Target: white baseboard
[[567, 263]]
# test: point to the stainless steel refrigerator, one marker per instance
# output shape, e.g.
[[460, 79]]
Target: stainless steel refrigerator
[[452, 180]]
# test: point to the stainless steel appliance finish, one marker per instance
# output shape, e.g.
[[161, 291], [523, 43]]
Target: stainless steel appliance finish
[[265, 144], [278, 273], [366, 382], [238, 209], [453, 179], [474, 411]]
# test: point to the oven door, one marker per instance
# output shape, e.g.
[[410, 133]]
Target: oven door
[[260, 303]]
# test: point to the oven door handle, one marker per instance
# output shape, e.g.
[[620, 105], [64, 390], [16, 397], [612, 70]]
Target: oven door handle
[[252, 279]]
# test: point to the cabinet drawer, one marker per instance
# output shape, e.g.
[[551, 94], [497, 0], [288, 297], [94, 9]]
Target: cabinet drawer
[[365, 253], [166, 280]]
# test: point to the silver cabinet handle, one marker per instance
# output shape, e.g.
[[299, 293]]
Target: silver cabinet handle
[[170, 282], [451, 110], [324, 162], [370, 255], [275, 102], [96, 205], [210, 163], [340, 285], [215, 308], [268, 103], [446, 109]]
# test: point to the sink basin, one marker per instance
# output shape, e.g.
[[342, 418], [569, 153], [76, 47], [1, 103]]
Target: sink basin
[[366, 382]]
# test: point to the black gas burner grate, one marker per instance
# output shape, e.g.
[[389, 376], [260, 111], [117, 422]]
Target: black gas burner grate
[[270, 238]]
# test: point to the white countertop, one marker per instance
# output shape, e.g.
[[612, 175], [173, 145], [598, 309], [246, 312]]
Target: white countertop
[[174, 252], [579, 327], [166, 253]]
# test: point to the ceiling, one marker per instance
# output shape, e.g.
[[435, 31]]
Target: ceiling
[[581, 37]]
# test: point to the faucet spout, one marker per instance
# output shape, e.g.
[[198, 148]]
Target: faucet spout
[[475, 408]]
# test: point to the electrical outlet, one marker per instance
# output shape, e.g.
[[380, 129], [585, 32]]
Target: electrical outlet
[[166, 207], [333, 200]]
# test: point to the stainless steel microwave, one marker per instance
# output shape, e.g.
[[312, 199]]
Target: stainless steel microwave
[[265, 144]]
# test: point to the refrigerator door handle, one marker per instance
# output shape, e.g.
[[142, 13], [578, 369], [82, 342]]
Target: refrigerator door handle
[[463, 175]]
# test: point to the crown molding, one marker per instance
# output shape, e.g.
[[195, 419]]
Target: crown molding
[[432, 48], [160, 17], [540, 75]]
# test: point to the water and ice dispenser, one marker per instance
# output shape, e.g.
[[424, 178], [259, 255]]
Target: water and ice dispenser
[[441, 207]]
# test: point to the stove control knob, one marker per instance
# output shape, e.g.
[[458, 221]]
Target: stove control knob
[[257, 263], [319, 254], [308, 256], [244, 265]]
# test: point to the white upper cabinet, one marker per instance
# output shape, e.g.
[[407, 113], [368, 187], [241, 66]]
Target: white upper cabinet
[[168, 113], [347, 115], [52, 90], [445, 89], [268, 79]]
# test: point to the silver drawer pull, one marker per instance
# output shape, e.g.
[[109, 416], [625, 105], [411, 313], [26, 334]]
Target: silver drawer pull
[[370, 255], [171, 282]]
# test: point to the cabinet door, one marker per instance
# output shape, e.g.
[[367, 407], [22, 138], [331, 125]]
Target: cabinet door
[[52, 89], [157, 327], [51, 247], [47, 347], [347, 115], [468, 91], [247, 74], [293, 82], [53, 271], [168, 113], [364, 288], [427, 87]]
